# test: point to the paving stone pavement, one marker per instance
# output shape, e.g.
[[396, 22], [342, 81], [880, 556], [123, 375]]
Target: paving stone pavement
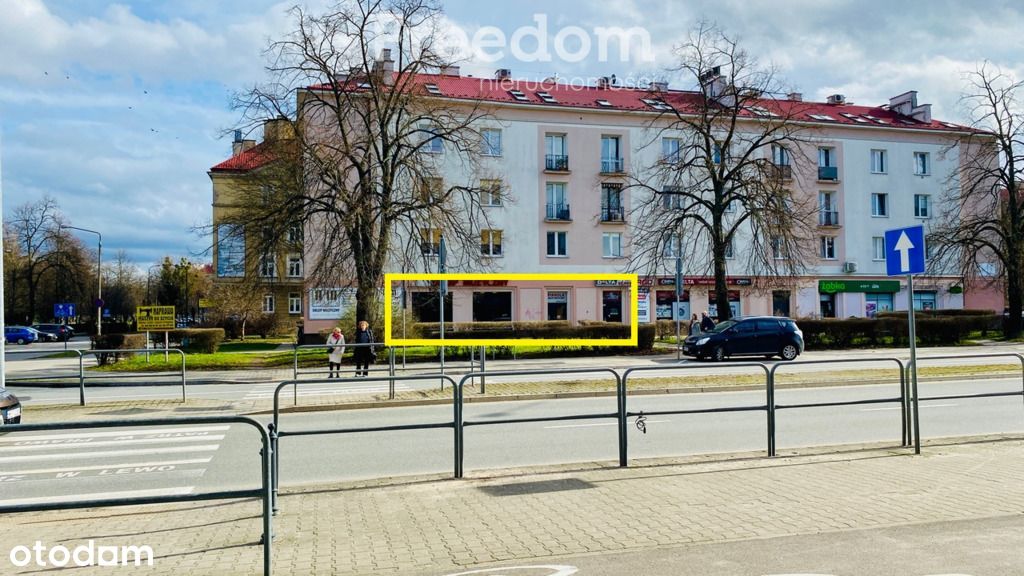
[[435, 526]]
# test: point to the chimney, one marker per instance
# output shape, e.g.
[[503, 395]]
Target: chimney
[[659, 86], [279, 128], [904, 103], [450, 71], [385, 66], [795, 96], [502, 74], [837, 99], [604, 82], [239, 145], [922, 113], [712, 83]]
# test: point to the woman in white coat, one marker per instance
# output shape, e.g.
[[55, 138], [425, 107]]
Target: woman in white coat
[[335, 350]]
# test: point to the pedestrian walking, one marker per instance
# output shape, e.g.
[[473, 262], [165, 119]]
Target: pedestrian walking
[[694, 326], [365, 355], [335, 350], [706, 323]]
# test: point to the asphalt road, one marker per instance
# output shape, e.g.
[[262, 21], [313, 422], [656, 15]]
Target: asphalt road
[[189, 459]]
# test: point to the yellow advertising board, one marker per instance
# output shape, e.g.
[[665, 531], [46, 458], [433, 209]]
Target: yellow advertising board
[[154, 318], [204, 303]]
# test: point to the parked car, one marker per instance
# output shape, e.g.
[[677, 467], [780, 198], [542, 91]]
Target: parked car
[[10, 408], [766, 336], [19, 335], [44, 336], [63, 331]]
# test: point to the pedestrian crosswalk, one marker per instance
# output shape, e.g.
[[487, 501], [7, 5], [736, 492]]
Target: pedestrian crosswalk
[[266, 391], [102, 464]]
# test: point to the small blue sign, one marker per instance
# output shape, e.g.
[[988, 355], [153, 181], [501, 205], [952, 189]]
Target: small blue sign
[[64, 310], [904, 251]]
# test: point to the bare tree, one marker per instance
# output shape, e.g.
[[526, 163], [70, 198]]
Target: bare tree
[[725, 173], [35, 226], [981, 230], [366, 143], [236, 301]]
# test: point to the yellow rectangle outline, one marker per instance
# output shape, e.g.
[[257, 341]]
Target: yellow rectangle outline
[[633, 279]]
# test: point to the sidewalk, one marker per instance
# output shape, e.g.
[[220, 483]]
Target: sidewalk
[[441, 526]]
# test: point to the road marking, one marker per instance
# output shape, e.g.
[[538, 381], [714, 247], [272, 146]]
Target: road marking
[[105, 466], [81, 455], [900, 408], [599, 424], [80, 444], [97, 495], [115, 433]]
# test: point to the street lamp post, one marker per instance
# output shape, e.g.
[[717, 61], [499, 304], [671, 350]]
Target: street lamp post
[[99, 276], [442, 253]]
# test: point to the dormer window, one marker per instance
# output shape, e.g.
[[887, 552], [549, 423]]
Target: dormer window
[[518, 95], [433, 89]]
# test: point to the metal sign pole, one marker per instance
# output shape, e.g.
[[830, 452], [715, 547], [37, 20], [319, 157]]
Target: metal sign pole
[[679, 297], [913, 362], [443, 289]]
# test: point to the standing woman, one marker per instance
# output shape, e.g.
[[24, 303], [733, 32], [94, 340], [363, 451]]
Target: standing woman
[[694, 326], [365, 355], [335, 350]]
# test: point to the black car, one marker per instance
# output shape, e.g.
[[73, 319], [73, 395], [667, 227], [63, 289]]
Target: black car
[[10, 408], [766, 336], [62, 331]]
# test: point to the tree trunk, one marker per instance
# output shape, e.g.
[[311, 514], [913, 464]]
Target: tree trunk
[[1014, 301], [718, 254]]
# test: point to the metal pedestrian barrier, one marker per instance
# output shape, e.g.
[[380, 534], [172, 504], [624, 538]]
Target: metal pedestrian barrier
[[902, 398], [915, 399], [263, 492], [625, 413], [476, 359], [79, 375], [461, 424], [276, 433], [108, 375]]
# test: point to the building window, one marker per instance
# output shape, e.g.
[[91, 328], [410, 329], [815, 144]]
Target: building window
[[557, 244], [879, 162], [778, 248], [556, 157], [878, 248], [492, 306], [490, 192], [611, 154], [728, 249], [670, 149], [558, 201], [921, 207], [295, 233], [430, 241], [827, 305], [716, 154], [490, 242], [780, 155], [827, 164], [828, 247], [431, 190], [671, 249], [295, 265], [828, 209], [490, 142], [268, 266], [672, 197], [433, 144], [294, 303], [875, 303], [268, 303], [611, 203], [612, 244], [780, 302], [924, 300], [880, 205], [558, 305], [922, 166]]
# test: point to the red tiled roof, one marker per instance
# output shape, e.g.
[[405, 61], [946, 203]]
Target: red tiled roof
[[255, 157], [632, 99]]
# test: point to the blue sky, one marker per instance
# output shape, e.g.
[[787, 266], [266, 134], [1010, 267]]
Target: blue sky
[[117, 110]]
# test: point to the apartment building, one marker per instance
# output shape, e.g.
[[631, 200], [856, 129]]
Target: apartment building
[[564, 154]]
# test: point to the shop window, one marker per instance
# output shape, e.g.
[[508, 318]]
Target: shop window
[[924, 300], [780, 302], [875, 303], [427, 306], [611, 306], [558, 305]]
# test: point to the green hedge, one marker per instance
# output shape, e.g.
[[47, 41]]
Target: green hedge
[[203, 340], [587, 330], [891, 330], [116, 342]]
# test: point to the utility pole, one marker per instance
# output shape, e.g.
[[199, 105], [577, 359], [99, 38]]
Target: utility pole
[[99, 275], [442, 255]]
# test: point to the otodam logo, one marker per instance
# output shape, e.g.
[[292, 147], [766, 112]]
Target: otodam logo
[[88, 554]]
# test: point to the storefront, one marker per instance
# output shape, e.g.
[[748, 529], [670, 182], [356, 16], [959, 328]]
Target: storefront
[[845, 298]]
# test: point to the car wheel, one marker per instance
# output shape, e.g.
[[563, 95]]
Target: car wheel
[[718, 354], [789, 352], [21, 341]]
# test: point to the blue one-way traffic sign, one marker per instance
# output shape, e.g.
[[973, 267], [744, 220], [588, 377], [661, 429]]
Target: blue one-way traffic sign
[[904, 251]]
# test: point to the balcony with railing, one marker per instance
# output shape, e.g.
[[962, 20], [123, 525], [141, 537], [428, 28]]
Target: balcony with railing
[[828, 173], [558, 213], [613, 214], [556, 163], [783, 171], [613, 165], [828, 218]]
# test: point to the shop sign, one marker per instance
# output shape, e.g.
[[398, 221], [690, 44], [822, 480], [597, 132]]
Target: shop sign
[[835, 286], [611, 282]]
